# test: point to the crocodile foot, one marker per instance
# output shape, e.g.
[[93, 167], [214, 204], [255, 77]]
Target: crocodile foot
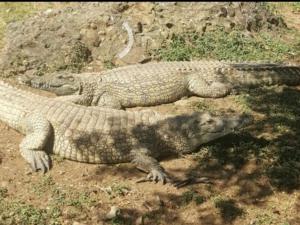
[[38, 160], [156, 176]]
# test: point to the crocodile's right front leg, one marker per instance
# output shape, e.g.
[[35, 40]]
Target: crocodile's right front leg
[[38, 130], [145, 162], [76, 99]]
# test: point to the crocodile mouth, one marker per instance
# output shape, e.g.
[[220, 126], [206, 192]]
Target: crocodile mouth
[[59, 89]]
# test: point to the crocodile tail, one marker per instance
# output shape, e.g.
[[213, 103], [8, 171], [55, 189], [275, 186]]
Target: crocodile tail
[[250, 74]]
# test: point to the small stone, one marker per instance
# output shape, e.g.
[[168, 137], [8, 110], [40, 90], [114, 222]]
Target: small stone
[[77, 223], [139, 27], [76, 36], [28, 172], [93, 26], [223, 12], [50, 12], [101, 32], [160, 202], [114, 212], [140, 221], [4, 184]]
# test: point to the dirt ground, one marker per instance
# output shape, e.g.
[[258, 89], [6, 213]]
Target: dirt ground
[[242, 193]]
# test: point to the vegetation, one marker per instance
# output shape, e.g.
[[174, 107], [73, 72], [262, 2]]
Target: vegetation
[[223, 45]]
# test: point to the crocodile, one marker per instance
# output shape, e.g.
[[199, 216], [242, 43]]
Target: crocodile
[[163, 82], [107, 136]]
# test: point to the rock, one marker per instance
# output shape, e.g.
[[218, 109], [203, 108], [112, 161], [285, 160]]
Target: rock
[[140, 221], [51, 12], [4, 184], [93, 26], [114, 212], [135, 55], [223, 12], [139, 28], [147, 7], [77, 223]]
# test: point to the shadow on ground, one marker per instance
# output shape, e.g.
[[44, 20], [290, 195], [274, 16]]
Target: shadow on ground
[[254, 162]]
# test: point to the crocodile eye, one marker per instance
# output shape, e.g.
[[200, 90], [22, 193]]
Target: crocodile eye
[[69, 78]]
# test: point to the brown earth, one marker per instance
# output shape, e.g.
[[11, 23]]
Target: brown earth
[[88, 36]]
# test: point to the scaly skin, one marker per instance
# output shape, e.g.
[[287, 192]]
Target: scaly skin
[[164, 82], [99, 135]]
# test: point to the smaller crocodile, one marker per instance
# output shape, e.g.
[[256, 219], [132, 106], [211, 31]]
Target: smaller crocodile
[[163, 82], [102, 135]]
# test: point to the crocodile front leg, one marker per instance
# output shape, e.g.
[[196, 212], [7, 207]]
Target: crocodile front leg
[[106, 100], [202, 88], [38, 131], [77, 99], [145, 162]]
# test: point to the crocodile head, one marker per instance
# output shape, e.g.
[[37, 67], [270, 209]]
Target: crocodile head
[[59, 83], [199, 128]]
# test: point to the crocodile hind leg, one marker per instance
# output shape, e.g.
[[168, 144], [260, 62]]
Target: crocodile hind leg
[[38, 130], [147, 163], [202, 88]]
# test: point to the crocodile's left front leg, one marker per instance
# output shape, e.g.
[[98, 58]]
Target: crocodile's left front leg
[[202, 88], [38, 130], [144, 161]]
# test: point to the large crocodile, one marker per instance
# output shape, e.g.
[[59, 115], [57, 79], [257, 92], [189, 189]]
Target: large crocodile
[[101, 135], [163, 82]]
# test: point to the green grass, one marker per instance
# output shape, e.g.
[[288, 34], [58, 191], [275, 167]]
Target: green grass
[[190, 196], [19, 212], [109, 65], [273, 6], [14, 11], [11, 11], [3, 193], [222, 45], [228, 208]]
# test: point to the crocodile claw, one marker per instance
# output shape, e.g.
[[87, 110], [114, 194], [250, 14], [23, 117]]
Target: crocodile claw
[[38, 160], [156, 176]]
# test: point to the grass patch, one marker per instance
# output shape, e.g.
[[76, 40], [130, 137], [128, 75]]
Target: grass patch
[[190, 196], [222, 45], [3, 193], [10, 12], [60, 199], [116, 190], [25, 214], [228, 208], [43, 185], [294, 6], [109, 65], [15, 11]]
